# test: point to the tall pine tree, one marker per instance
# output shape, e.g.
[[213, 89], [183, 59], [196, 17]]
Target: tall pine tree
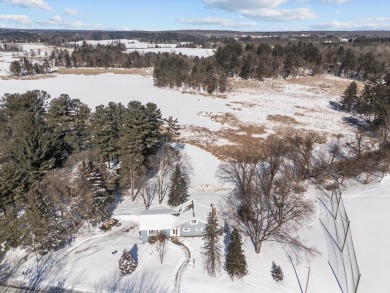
[[69, 119], [212, 249], [349, 97], [178, 192], [235, 264], [93, 178], [140, 139]]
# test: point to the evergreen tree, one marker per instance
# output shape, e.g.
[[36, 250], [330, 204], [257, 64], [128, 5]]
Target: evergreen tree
[[93, 178], [276, 272], [127, 264], [349, 97], [171, 127], [105, 132], [212, 250], [178, 192], [69, 119], [31, 149], [235, 264], [44, 230], [15, 68], [140, 139]]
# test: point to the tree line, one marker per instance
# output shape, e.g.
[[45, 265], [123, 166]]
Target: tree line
[[233, 59], [251, 61], [59, 163]]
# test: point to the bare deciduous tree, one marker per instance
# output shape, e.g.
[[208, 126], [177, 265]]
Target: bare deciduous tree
[[161, 245], [268, 202], [148, 191]]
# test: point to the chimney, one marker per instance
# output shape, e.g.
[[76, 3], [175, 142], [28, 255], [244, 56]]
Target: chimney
[[213, 210]]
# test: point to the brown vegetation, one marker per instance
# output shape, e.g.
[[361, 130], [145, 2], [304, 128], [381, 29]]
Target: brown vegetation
[[96, 71], [283, 119]]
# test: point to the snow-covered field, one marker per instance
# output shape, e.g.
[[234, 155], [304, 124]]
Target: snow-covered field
[[89, 264], [7, 57], [143, 47]]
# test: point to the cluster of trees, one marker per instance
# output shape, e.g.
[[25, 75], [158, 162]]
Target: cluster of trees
[[263, 61], [269, 179], [26, 67], [10, 47], [111, 55], [267, 202], [371, 104], [56, 163], [235, 261]]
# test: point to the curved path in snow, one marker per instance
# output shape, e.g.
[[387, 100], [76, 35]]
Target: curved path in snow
[[183, 265]]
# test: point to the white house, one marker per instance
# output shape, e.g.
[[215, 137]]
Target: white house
[[189, 219]]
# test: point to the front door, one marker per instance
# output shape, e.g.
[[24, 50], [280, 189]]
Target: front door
[[175, 232]]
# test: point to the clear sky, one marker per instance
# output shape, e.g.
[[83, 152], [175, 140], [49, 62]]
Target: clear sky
[[243, 15]]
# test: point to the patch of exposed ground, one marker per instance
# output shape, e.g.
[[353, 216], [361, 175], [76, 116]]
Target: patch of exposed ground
[[300, 105], [283, 119], [322, 83], [224, 143], [191, 92], [326, 83], [96, 71], [28, 77]]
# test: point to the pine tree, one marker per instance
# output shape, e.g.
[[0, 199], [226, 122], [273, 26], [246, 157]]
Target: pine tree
[[44, 230], [349, 97], [105, 134], [276, 272], [93, 178], [212, 250], [178, 192], [235, 264], [69, 118], [172, 128], [140, 139], [127, 264]]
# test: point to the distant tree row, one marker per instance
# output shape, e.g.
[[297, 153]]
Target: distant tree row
[[10, 47], [112, 56], [56, 163]]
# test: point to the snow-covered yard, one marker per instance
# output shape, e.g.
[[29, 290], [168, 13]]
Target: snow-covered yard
[[90, 265]]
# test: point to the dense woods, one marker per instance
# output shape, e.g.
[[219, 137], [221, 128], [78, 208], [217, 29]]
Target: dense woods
[[60, 163]]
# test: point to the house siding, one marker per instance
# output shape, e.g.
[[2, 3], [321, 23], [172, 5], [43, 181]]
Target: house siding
[[145, 236], [192, 228]]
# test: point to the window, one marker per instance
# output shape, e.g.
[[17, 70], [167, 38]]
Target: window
[[199, 229], [186, 229], [194, 222], [153, 232]]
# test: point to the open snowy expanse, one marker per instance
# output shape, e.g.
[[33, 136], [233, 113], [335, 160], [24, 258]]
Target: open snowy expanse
[[89, 264], [143, 47]]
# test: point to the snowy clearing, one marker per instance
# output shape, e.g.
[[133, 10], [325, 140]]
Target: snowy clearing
[[144, 47]]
